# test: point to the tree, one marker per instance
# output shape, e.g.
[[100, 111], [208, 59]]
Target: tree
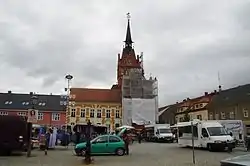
[[186, 118]]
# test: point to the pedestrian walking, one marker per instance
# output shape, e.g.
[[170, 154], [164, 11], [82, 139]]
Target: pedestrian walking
[[47, 140], [126, 140], [139, 137]]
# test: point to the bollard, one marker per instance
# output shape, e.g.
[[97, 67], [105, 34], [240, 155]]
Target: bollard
[[88, 159]]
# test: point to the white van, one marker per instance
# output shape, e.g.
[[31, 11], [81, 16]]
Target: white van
[[207, 134], [159, 133]]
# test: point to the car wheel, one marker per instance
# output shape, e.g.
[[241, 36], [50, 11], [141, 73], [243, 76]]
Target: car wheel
[[120, 151], [83, 152]]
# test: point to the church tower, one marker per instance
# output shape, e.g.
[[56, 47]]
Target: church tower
[[128, 60]]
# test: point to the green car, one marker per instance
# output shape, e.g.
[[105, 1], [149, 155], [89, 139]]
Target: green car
[[103, 144]]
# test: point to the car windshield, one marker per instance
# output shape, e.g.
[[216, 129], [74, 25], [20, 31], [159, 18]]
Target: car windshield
[[164, 131], [216, 131]]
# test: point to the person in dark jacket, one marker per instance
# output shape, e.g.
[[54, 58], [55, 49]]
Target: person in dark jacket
[[47, 141], [139, 137], [126, 140], [78, 137]]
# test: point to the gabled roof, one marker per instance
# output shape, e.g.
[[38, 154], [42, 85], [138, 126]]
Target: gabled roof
[[232, 96], [172, 108], [162, 110], [200, 99], [17, 101], [96, 95]]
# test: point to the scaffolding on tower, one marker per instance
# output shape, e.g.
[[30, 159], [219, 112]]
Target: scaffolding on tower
[[139, 97]]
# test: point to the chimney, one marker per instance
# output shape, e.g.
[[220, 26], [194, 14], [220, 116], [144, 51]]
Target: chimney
[[31, 93], [9, 91], [215, 91], [51, 94], [184, 100], [206, 93]]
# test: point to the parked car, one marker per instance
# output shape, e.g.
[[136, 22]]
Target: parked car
[[237, 161], [103, 144]]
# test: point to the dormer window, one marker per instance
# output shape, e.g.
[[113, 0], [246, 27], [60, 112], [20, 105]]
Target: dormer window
[[25, 103], [42, 104], [63, 102], [8, 102]]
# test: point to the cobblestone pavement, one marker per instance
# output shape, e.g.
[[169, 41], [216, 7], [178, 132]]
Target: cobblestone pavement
[[145, 154]]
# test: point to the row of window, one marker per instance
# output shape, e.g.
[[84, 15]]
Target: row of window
[[54, 117], [106, 139], [186, 131], [196, 106], [116, 125], [40, 103], [231, 115], [182, 119], [218, 116], [93, 113], [3, 113]]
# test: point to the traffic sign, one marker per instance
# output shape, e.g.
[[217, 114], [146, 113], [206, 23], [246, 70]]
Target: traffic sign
[[32, 116]]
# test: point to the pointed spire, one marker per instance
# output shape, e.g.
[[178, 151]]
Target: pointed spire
[[128, 41]]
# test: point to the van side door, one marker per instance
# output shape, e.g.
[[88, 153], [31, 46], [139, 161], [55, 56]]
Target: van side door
[[204, 137]]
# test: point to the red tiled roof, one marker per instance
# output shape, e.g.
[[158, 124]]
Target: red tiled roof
[[95, 95], [201, 99]]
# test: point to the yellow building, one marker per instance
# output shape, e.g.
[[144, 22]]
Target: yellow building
[[100, 106]]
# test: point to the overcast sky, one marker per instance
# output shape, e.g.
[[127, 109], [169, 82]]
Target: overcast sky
[[185, 43]]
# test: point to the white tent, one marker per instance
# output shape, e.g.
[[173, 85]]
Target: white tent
[[125, 126]]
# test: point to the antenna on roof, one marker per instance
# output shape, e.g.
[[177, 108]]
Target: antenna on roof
[[219, 81], [219, 77]]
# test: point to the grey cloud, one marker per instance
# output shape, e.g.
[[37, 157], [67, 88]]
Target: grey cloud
[[185, 43]]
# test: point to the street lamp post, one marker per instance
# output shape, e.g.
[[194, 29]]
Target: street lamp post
[[192, 131], [68, 77], [29, 127], [88, 159]]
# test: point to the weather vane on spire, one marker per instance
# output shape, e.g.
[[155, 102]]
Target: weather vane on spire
[[128, 16]]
